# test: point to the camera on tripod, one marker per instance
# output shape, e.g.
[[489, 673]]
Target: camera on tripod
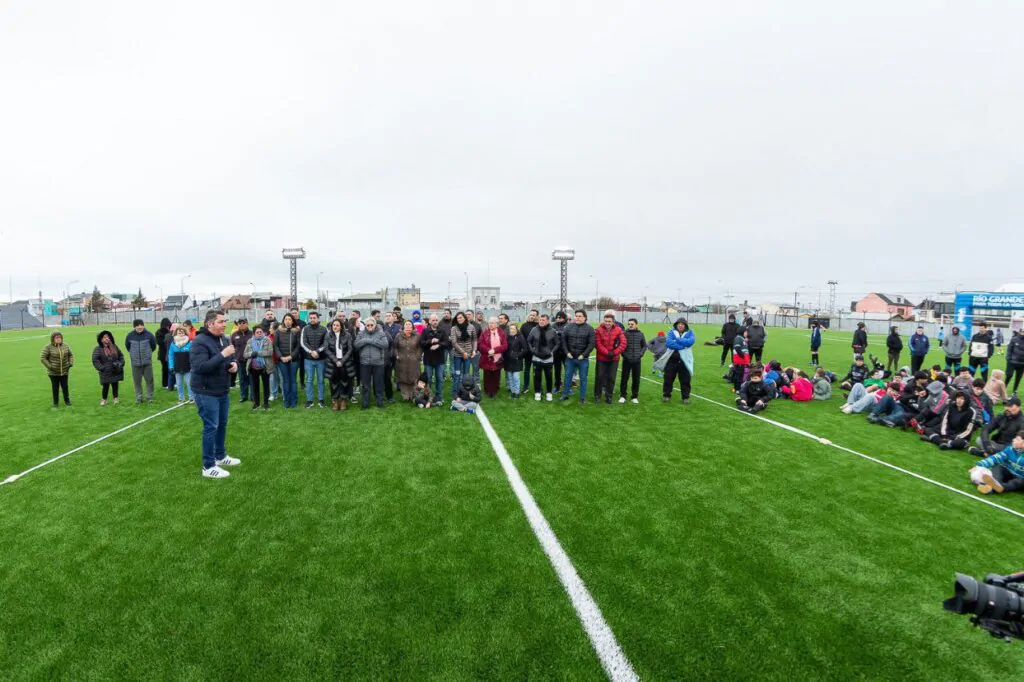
[[997, 603]]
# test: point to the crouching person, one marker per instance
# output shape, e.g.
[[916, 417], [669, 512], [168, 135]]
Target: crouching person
[[1003, 471], [754, 396], [467, 399]]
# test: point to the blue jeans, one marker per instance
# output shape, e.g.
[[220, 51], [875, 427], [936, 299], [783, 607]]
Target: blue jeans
[[183, 381], [243, 381], [289, 389], [213, 410], [459, 367], [435, 379], [475, 361], [514, 380], [275, 379], [889, 408], [314, 368], [571, 367]]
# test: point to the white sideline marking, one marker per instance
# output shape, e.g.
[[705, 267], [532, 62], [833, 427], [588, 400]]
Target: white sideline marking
[[25, 338], [825, 441], [15, 477], [614, 661]]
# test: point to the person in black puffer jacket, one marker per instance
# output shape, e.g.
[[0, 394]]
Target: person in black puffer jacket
[[108, 360], [894, 344], [756, 338], [512, 360], [860, 339], [163, 340], [1015, 361], [636, 346], [729, 332], [213, 362]]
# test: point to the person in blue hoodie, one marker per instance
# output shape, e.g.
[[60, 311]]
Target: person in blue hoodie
[[919, 347], [1003, 471], [815, 342]]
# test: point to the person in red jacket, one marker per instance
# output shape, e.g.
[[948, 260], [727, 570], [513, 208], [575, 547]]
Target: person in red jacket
[[610, 343], [492, 345], [800, 390]]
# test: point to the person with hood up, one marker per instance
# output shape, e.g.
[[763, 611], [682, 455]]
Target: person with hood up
[[163, 340], [953, 432], [541, 345], [995, 387], [822, 386], [636, 346], [58, 360], [998, 433], [954, 346], [982, 350], [678, 360], [178, 363], [140, 344], [340, 365], [815, 342], [512, 360], [1003, 471], [467, 397], [610, 342], [729, 332], [894, 345], [659, 345], [372, 347], [756, 338], [108, 360], [929, 414], [493, 344], [860, 339], [417, 322]]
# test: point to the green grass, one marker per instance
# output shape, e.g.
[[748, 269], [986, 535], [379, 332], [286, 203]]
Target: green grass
[[388, 543]]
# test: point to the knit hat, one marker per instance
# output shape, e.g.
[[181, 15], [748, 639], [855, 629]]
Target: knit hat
[[936, 388], [423, 377], [859, 357], [1012, 400]]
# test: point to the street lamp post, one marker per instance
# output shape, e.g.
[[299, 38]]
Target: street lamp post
[[255, 314], [161, 290], [318, 287], [563, 254], [468, 306]]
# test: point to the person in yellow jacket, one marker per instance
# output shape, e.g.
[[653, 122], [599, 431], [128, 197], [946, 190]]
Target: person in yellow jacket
[[58, 360]]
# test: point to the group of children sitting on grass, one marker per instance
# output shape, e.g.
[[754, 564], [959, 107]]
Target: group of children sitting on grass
[[946, 409]]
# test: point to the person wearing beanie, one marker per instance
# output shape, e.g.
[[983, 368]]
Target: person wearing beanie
[[858, 373], [815, 342], [998, 433], [467, 399], [729, 332], [636, 346], [954, 346], [740, 360], [860, 339], [659, 345]]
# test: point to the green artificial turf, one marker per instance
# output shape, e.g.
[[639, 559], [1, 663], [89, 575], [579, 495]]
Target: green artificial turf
[[387, 543]]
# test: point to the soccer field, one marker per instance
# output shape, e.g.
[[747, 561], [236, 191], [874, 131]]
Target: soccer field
[[390, 544]]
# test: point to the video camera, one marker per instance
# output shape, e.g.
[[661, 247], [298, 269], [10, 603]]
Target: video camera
[[997, 603]]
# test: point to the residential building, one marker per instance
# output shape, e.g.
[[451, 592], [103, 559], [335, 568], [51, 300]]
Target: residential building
[[485, 298], [894, 305], [362, 302], [407, 297]]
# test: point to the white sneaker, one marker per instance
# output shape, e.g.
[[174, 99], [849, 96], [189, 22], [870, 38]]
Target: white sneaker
[[228, 461], [215, 472], [635, 401], [548, 397], [622, 401], [536, 396]]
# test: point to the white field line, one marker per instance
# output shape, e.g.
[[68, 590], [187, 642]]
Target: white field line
[[15, 477], [825, 441], [25, 338], [614, 661]]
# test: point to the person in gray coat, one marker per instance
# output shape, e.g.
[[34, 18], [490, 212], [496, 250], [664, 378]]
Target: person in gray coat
[[954, 346], [372, 345]]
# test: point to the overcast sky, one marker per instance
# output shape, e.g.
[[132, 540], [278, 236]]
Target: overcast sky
[[700, 147]]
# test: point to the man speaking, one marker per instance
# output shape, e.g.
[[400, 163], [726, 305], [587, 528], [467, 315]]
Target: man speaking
[[212, 368]]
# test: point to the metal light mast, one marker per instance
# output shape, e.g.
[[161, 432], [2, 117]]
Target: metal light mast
[[832, 297], [563, 255], [293, 255]]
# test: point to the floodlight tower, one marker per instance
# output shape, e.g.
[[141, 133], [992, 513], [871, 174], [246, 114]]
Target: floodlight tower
[[293, 255], [832, 297], [563, 255]]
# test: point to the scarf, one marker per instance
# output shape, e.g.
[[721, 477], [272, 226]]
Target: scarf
[[180, 341], [339, 352], [463, 331], [542, 343], [257, 346], [108, 349]]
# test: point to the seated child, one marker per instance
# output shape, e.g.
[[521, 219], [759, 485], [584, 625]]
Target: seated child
[[753, 394], [936, 371], [857, 374], [1003, 471], [996, 387], [981, 402], [801, 389], [963, 379], [954, 430], [421, 392], [822, 385], [468, 397], [930, 409], [888, 411]]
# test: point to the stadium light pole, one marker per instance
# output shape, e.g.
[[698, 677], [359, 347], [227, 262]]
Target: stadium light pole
[[563, 255], [183, 287], [318, 286], [293, 255]]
